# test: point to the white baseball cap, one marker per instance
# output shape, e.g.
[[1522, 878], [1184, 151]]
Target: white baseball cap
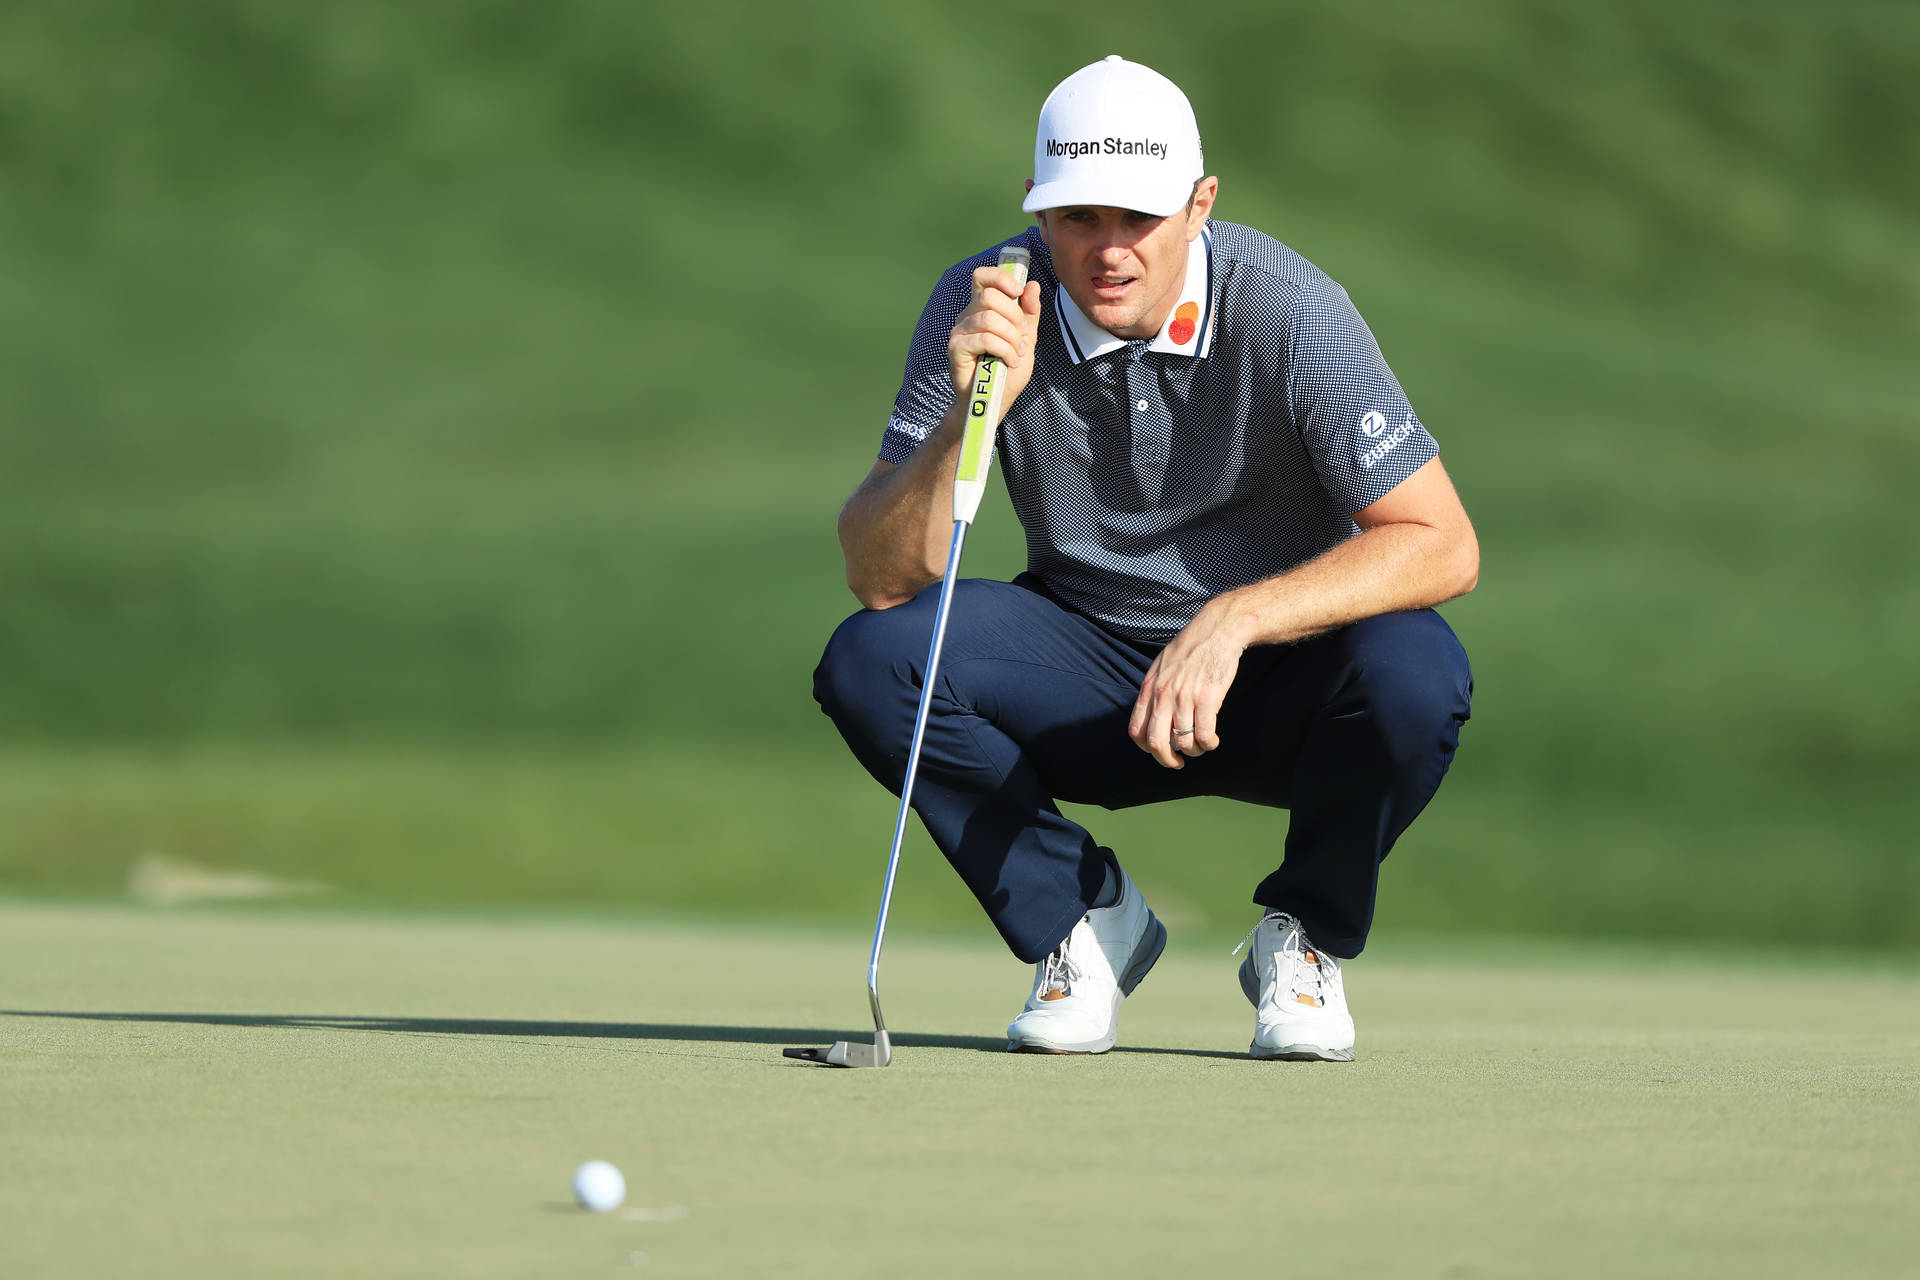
[[1116, 133]]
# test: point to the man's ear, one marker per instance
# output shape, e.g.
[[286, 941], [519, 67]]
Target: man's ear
[[1040, 220], [1205, 192]]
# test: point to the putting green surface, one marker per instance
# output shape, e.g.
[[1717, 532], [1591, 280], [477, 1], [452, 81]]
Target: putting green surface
[[312, 1093]]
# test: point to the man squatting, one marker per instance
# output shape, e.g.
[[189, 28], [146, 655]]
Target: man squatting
[[1236, 532]]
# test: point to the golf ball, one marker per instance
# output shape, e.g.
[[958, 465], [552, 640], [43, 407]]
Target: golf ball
[[598, 1186]]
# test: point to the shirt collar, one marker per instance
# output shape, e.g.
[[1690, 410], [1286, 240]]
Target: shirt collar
[[1191, 318]]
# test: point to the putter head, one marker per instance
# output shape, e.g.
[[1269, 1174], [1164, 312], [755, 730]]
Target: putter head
[[848, 1053]]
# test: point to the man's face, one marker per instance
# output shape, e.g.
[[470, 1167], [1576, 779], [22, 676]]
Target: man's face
[[1122, 268]]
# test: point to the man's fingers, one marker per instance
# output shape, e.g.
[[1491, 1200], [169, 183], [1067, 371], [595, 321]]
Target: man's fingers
[[985, 339], [1007, 319], [990, 277], [1011, 305], [1142, 707], [997, 279], [1021, 309], [1150, 726], [995, 324], [1157, 737], [1197, 713], [1163, 749], [999, 321], [1029, 318], [1188, 715], [1204, 737], [980, 335], [1030, 300], [1188, 743]]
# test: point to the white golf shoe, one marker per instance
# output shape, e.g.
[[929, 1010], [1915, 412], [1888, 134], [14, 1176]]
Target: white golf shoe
[[1299, 1003], [1075, 1005]]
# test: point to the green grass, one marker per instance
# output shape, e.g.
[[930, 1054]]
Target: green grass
[[315, 1093], [411, 407]]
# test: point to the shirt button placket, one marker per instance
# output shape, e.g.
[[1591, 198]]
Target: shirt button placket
[[1147, 429]]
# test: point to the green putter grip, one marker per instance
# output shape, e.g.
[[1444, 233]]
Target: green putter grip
[[983, 412]]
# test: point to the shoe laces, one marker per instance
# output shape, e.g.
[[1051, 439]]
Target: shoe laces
[[1313, 972], [1059, 969]]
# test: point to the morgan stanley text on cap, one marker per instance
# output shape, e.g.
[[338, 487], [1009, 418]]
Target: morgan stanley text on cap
[[1119, 134]]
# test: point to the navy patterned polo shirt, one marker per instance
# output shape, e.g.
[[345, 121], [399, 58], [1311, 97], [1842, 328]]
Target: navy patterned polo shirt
[[1151, 476]]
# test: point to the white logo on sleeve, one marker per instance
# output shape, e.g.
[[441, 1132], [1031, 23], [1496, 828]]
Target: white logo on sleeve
[[1374, 423], [1387, 446]]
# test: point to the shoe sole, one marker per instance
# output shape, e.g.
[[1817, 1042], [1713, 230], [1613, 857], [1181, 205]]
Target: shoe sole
[[1152, 943], [1250, 985], [1298, 1053]]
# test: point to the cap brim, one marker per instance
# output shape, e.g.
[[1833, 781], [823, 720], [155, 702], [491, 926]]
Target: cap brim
[[1107, 192]]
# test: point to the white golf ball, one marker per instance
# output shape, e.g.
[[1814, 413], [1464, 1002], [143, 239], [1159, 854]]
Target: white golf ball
[[598, 1186]]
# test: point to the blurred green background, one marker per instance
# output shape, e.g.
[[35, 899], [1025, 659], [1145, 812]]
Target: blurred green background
[[421, 428]]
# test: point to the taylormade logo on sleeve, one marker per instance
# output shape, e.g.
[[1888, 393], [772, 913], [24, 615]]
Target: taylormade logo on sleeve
[[1066, 150]]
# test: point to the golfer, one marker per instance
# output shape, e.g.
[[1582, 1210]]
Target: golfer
[[1236, 528]]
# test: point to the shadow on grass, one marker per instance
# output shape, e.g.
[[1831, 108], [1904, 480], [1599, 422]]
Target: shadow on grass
[[528, 1029]]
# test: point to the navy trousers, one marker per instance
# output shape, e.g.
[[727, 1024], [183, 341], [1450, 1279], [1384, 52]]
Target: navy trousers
[[1352, 731]]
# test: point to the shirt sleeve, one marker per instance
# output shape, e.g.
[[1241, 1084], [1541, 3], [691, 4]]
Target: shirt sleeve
[[1358, 427], [926, 390]]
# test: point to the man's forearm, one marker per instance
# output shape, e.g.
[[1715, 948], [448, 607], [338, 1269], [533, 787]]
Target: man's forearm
[[1386, 569], [897, 526]]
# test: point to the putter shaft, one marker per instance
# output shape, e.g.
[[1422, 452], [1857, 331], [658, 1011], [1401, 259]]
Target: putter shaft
[[969, 484], [913, 770]]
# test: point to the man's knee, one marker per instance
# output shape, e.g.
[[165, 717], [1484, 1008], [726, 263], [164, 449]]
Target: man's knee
[[1412, 675], [882, 651], [868, 652]]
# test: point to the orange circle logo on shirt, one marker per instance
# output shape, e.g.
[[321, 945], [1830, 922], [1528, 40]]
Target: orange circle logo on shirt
[[1186, 319]]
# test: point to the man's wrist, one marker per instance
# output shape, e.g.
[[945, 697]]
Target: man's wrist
[[1231, 617], [953, 423]]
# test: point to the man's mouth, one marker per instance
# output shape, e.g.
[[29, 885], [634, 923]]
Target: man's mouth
[[1111, 286]]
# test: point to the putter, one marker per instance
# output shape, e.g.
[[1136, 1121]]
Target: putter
[[969, 486]]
